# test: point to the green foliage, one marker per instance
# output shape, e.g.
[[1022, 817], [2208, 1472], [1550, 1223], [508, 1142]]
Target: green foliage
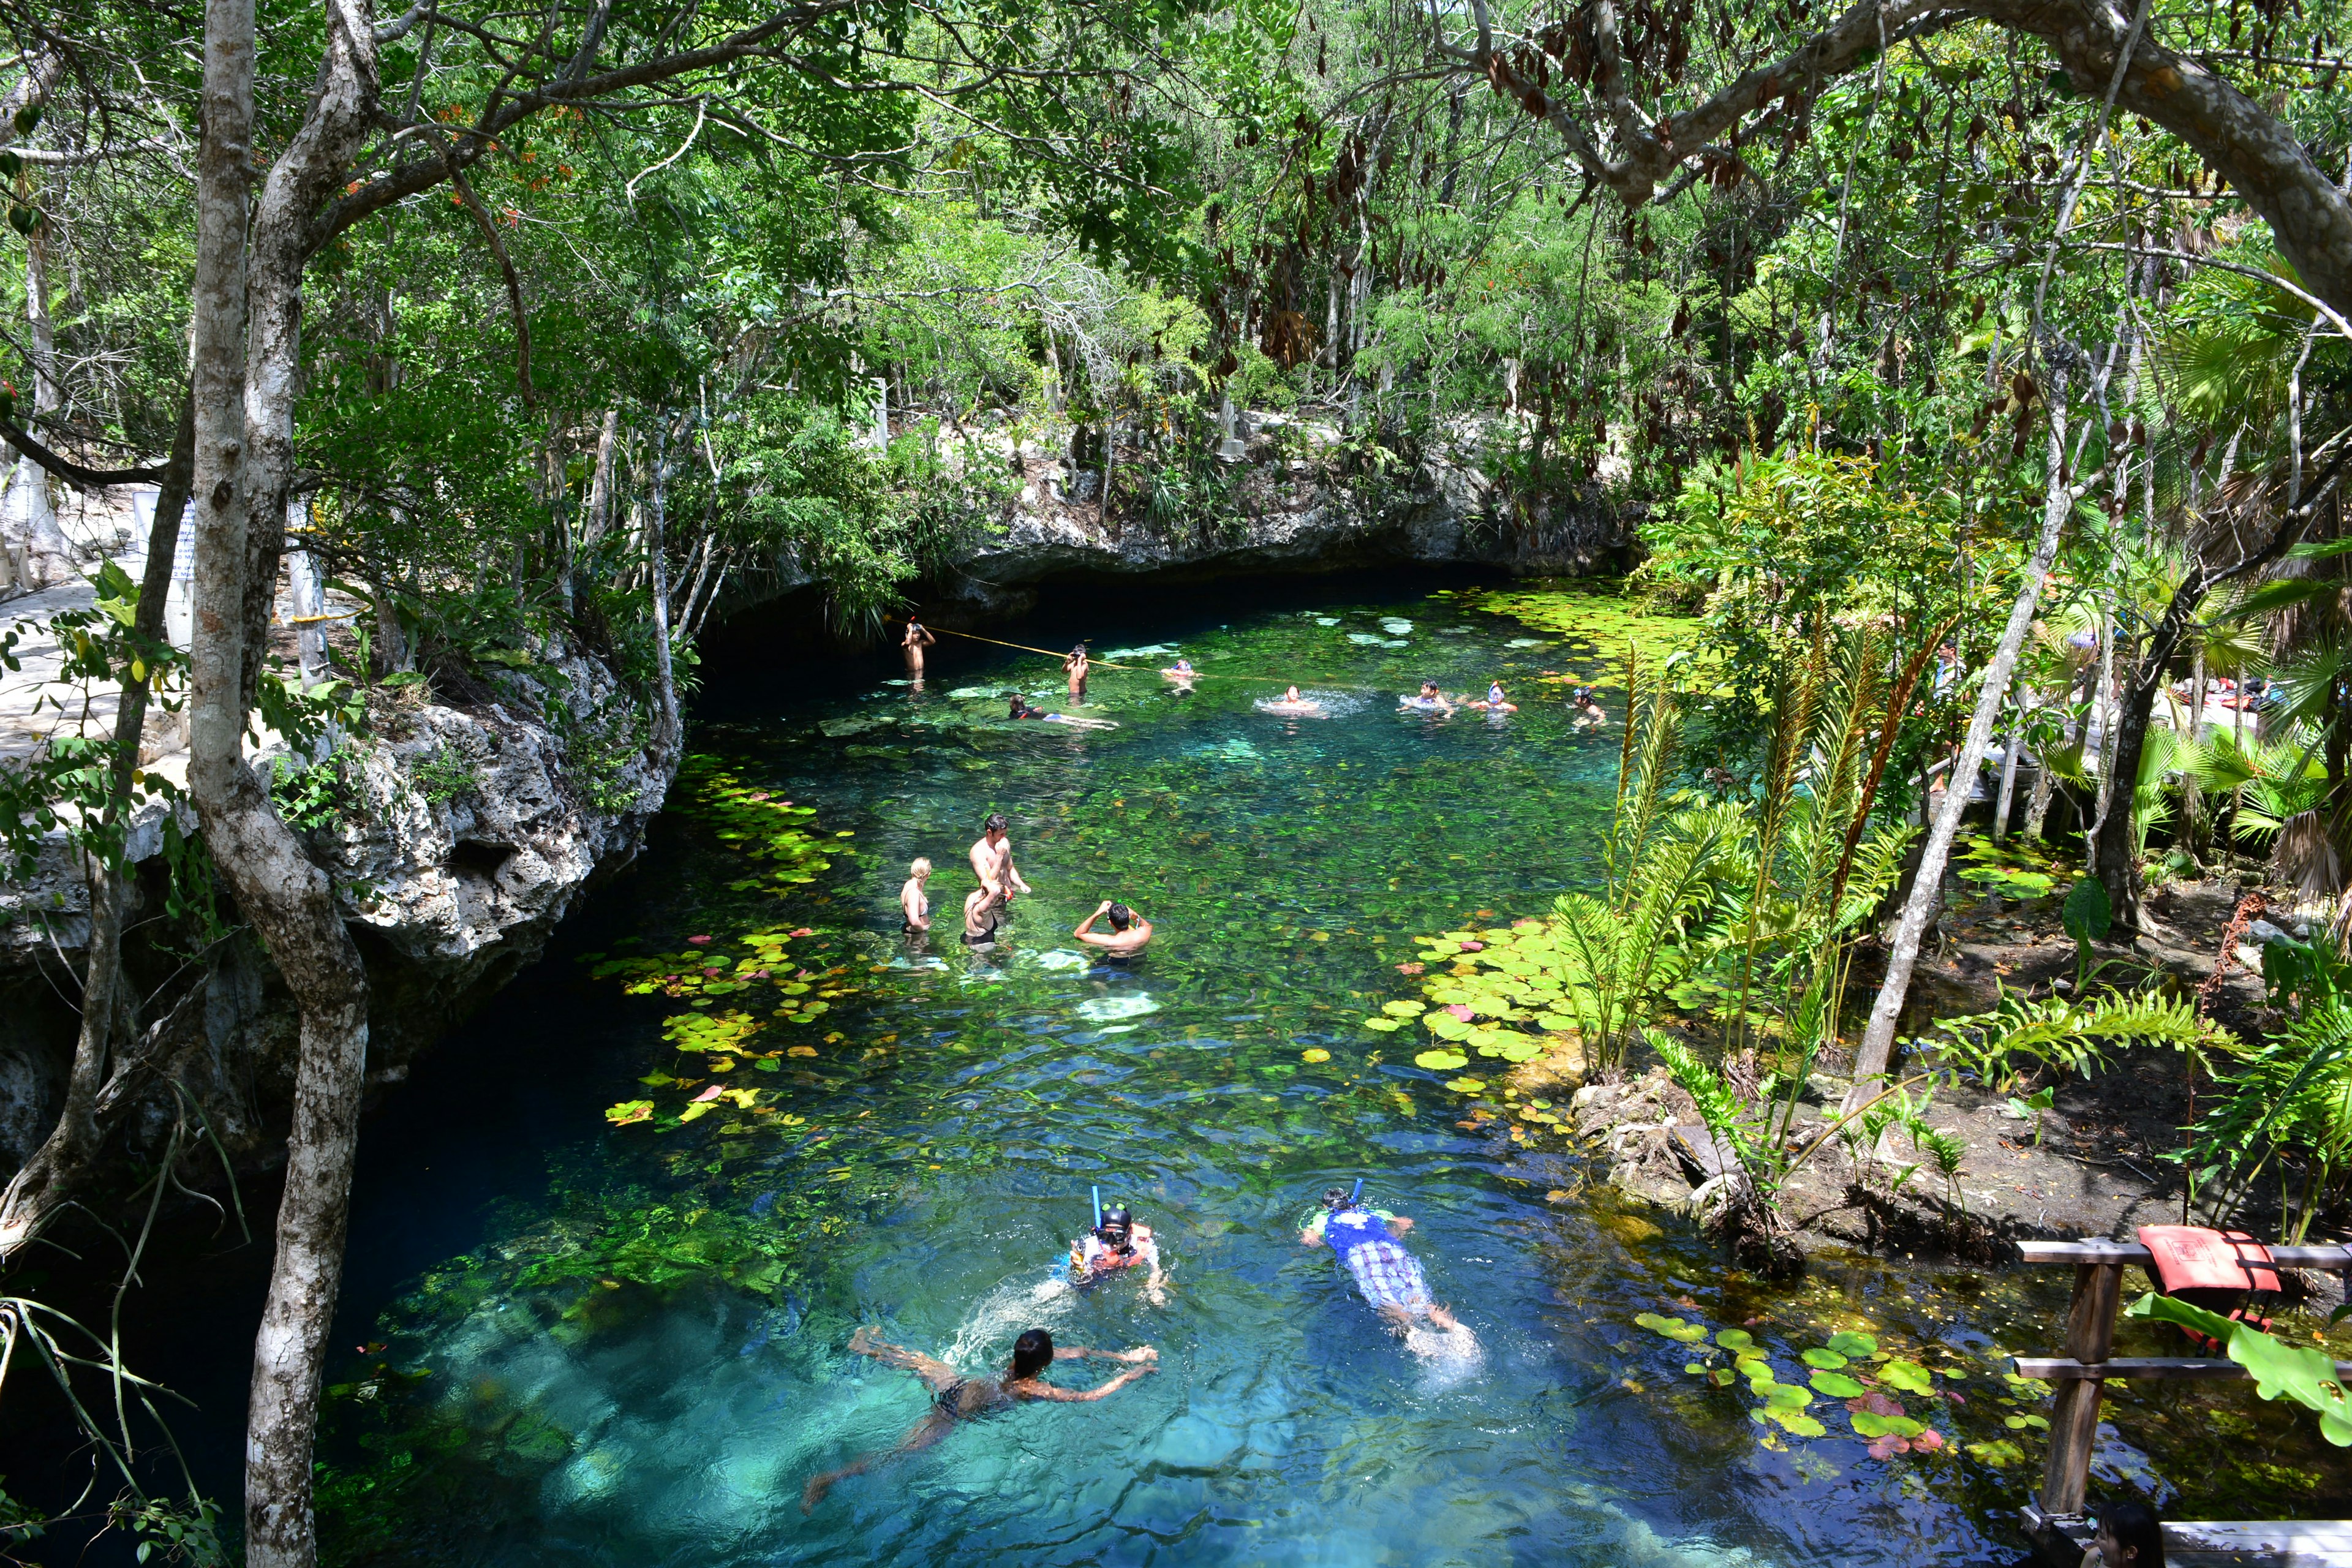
[[2280, 1370], [444, 775], [2068, 1035], [308, 799], [2287, 1101]]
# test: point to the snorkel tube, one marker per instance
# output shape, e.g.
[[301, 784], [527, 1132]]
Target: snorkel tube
[[1098, 1206], [1356, 1192]]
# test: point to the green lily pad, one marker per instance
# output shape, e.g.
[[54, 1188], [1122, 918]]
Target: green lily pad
[[1837, 1385], [1384, 1026], [1441, 1061], [1828, 1361], [1907, 1376], [1847, 1342], [1520, 1050], [1446, 1026], [1797, 1424], [1788, 1396], [1868, 1424], [1673, 1329], [1466, 1085], [1735, 1339], [1999, 1454], [1404, 1009]]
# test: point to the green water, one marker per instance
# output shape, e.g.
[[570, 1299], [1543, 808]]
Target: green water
[[627, 1344]]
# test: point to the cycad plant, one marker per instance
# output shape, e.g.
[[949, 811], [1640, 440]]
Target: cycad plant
[[1624, 950], [2286, 1107]]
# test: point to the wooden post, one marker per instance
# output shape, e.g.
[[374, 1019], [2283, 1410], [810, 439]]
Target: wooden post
[[2075, 1425]]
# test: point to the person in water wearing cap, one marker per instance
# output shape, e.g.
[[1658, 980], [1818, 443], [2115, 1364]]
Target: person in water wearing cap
[[1128, 934], [1118, 1243], [1587, 712], [1495, 701], [1367, 1242], [956, 1397], [1075, 668]]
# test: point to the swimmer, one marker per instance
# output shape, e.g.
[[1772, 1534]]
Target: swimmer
[[1589, 714], [1128, 931], [1182, 672], [1495, 702], [1075, 667], [959, 1399], [919, 637], [1430, 699], [1117, 1242], [1021, 708], [1291, 702], [912, 900], [992, 862], [1388, 1276]]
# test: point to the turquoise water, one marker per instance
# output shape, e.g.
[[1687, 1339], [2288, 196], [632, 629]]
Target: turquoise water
[[627, 1344]]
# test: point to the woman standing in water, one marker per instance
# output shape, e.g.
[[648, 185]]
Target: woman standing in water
[[959, 1399]]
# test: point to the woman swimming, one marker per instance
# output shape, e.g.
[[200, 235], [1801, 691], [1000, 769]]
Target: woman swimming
[[1291, 701], [955, 1397], [1495, 702]]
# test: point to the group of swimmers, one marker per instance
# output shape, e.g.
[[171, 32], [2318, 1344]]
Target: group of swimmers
[[1000, 879], [1369, 1243], [1076, 665]]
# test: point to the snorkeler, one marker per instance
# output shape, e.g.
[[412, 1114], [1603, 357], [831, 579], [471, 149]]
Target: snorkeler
[[1117, 1243], [912, 900], [959, 1399], [919, 637], [1430, 699], [992, 862], [1128, 934], [1291, 701], [1589, 714], [1075, 667], [1495, 702], [1021, 708], [1367, 1242]]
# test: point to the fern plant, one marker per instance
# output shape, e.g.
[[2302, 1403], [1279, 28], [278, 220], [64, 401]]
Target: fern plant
[[2285, 1104], [2074, 1035]]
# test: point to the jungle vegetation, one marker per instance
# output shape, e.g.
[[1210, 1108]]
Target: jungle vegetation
[[1978, 359]]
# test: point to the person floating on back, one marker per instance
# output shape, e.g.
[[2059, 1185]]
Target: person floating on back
[[956, 1397], [1367, 1241], [1117, 1243], [1128, 931], [1021, 708], [913, 902]]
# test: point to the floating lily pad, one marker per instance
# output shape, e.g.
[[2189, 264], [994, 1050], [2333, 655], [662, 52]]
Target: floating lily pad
[[1466, 1085], [629, 1112], [1441, 1061], [1867, 1424], [1404, 1009], [1828, 1361], [1788, 1396], [1999, 1454], [1847, 1342], [1385, 1026], [1314, 1054], [1797, 1424], [1909, 1376], [1673, 1329], [1734, 1339], [1446, 1026], [1837, 1385]]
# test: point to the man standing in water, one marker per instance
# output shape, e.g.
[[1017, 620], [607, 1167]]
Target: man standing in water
[[1075, 667], [956, 1397], [991, 861], [919, 637], [1128, 934]]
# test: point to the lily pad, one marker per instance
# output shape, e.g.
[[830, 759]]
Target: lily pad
[[1385, 1026], [1673, 1329], [1867, 1424], [1466, 1085], [1735, 1339], [1788, 1396], [1909, 1376], [1828, 1361], [1441, 1061], [1837, 1385], [1847, 1342], [1314, 1054], [1446, 1026], [1404, 1009], [1796, 1423]]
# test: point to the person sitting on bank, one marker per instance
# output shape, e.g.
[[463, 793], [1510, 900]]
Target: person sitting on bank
[[1128, 934], [1118, 1243], [955, 1397]]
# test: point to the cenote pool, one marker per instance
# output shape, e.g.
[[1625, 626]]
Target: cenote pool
[[583, 1328]]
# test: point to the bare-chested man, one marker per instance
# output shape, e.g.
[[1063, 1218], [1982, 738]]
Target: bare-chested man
[[919, 637], [992, 862]]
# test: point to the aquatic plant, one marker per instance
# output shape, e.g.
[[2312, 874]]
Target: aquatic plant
[[1849, 1368], [2297, 1373]]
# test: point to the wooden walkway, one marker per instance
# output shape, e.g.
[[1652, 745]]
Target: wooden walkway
[[2056, 1520]]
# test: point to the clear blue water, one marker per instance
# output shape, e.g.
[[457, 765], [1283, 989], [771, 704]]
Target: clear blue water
[[567, 1341]]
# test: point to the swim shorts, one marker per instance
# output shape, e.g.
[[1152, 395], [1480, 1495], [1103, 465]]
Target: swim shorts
[[1388, 1275]]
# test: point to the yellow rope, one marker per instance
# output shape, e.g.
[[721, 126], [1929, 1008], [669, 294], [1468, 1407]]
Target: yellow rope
[[1196, 675]]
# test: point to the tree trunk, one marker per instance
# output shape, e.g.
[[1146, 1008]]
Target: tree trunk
[[2008, 773], [307, 599], [659, 569], [63, 1159], [33, 517], [247, 336], [1927, 887]]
